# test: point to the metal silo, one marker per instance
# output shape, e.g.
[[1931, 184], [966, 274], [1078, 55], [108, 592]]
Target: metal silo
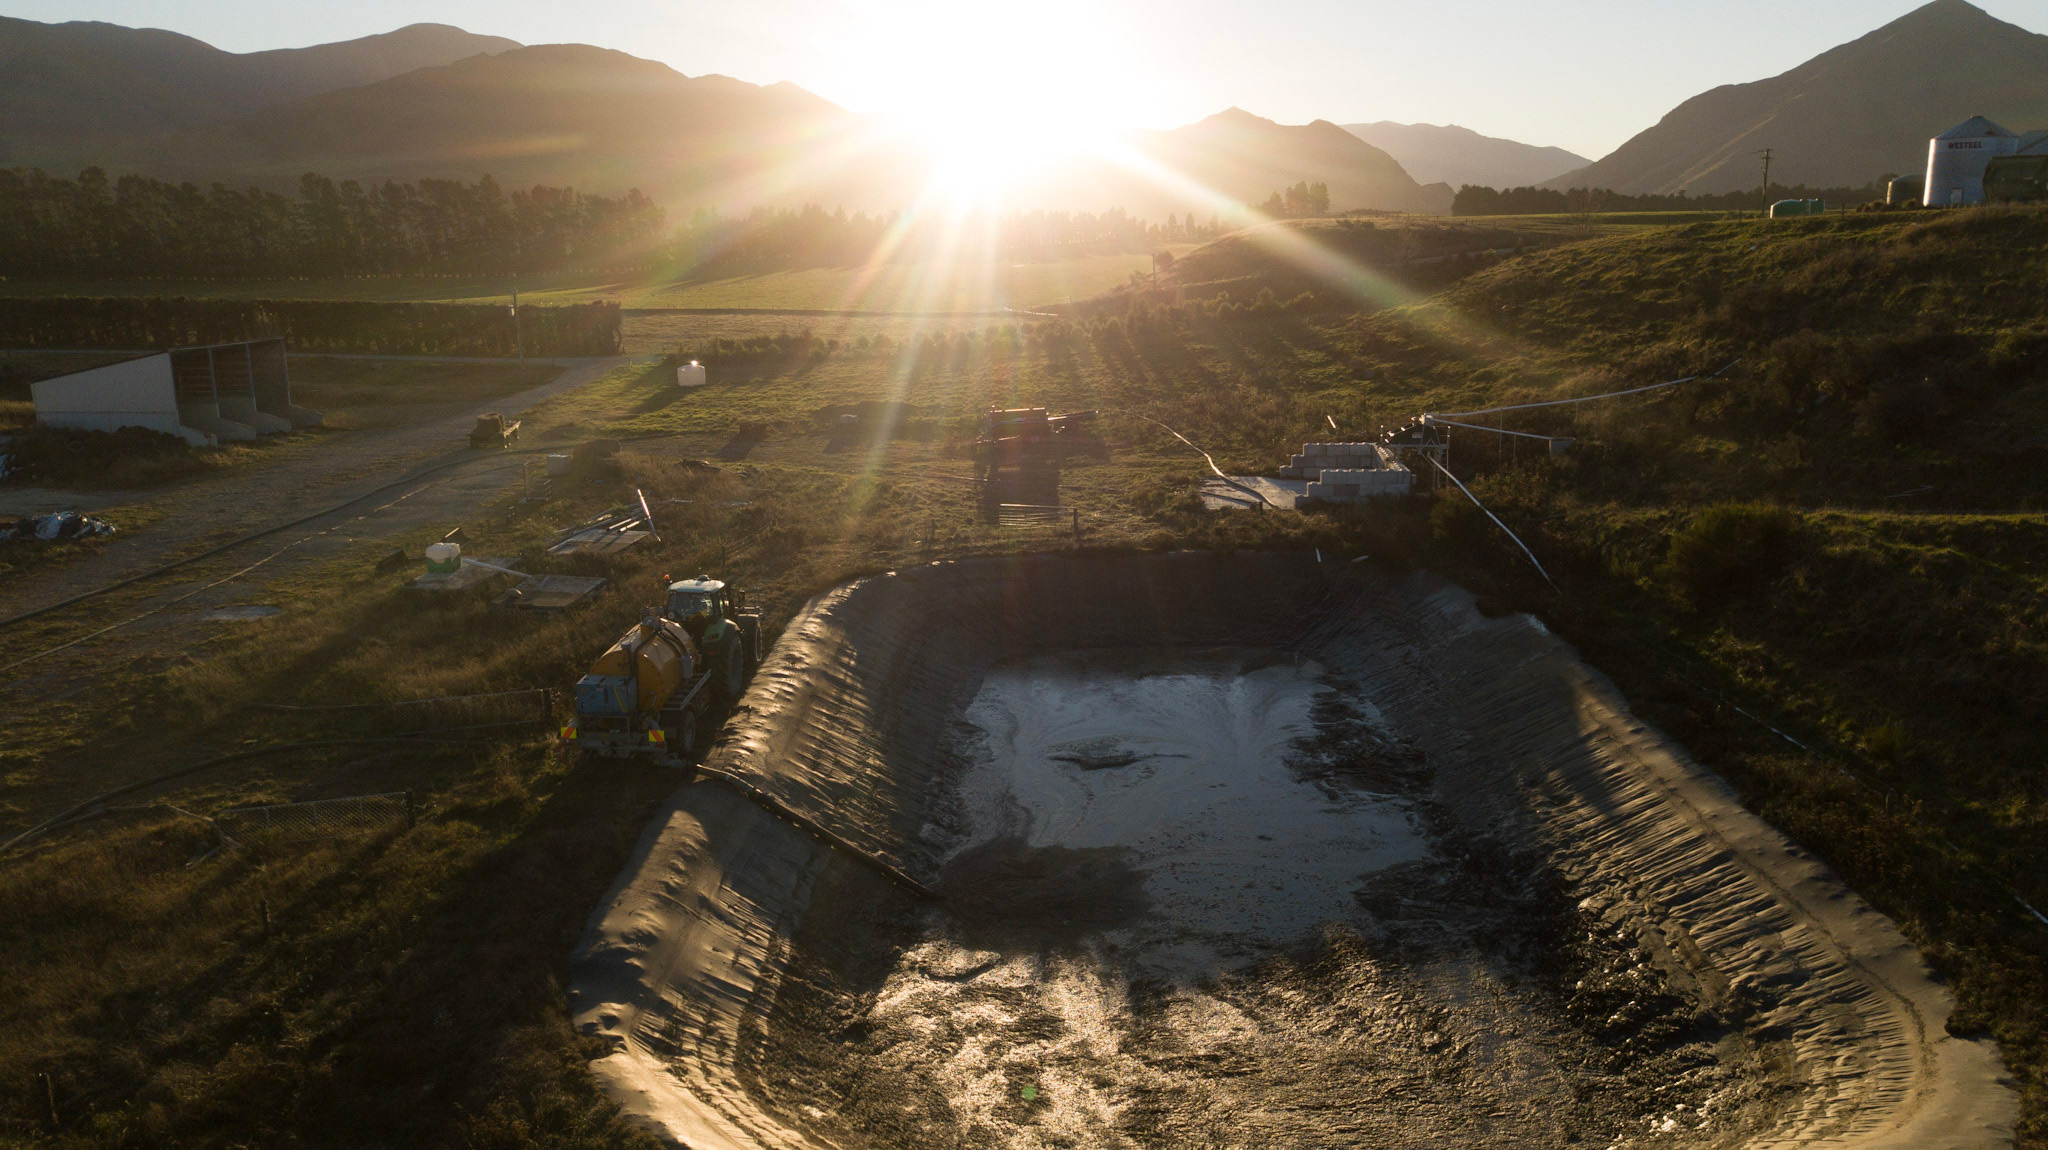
[[1956, 160]]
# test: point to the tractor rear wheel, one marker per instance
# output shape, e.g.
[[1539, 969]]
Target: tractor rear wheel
[[732, 676]]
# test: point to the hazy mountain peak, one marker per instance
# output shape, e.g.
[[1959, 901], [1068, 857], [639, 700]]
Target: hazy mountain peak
[[1847, 116], [77, 87], [1457, 156]]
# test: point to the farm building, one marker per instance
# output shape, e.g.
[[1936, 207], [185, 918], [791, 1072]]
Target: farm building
[[203, 395], [1959, 159]]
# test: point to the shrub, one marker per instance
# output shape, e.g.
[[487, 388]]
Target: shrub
[[1728, 552], [130, 457]]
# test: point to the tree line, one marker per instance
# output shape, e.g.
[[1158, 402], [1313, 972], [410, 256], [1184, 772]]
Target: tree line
[[135, 227], [140, 227], [1474, 200], [1302, 201]]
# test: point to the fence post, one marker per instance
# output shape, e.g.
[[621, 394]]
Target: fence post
[[411, 815], [49, 1099], [263, 909]]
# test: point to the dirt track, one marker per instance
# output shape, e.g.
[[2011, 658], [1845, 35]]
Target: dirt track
[[310, 476], [305, 478], [1563, 932]]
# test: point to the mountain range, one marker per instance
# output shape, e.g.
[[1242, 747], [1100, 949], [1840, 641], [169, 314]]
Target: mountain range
[[1845, 117], [70, 93], [1455, 156], [432, 101]]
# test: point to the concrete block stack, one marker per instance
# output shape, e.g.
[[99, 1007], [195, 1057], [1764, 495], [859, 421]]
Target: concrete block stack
[[1317, 457], [1342, 472]]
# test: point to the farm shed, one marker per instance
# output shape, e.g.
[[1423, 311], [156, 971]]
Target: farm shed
[[203, 395]]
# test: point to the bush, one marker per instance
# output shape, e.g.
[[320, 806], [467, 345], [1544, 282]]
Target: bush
[[1728, 552], [130, 457]]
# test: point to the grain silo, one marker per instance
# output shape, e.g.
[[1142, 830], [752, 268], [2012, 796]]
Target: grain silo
[[1956, 160]]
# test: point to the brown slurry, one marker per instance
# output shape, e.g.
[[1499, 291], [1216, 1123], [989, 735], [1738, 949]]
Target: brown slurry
[[1599, 946]]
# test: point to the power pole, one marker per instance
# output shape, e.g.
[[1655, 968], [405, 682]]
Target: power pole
[[1766, 154], [517, 341]]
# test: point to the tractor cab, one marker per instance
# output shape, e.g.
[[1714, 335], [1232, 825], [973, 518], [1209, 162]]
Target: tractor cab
[[697, 602]]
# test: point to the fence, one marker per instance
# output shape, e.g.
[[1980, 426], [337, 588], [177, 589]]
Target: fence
[[318, 819], [447, 713]]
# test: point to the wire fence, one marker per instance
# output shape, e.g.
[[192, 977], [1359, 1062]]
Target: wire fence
[[447, 713], [318, 819]]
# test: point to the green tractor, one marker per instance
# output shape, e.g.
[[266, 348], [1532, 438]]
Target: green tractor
[[725, 629]]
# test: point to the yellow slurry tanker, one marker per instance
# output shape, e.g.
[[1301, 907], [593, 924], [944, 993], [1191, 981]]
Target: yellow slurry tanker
[[648, 693]]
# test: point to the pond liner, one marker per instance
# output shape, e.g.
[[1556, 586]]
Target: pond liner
[[854, 716]]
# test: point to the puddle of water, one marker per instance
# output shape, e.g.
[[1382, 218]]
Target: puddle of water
[[1179, 765], [240, 614]]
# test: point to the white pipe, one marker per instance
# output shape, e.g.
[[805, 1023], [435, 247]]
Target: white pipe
[[1429, 417], [1497, 523]]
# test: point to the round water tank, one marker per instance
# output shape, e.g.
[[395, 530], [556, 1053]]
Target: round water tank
[[1956, 160]]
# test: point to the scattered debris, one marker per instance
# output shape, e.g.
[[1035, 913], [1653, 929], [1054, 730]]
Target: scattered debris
[[468, 574], [606, 534], [55, 526], [551, 592]]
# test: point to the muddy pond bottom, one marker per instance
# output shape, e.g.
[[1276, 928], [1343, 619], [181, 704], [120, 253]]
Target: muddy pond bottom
[[1163, 804], [1195, 899]]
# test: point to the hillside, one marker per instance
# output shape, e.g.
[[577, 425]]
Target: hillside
[[1245, 157], [1458, 156], [1845, 117], [73, 91], [558, 114]]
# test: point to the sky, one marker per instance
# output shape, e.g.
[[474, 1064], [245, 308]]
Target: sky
[[1579, 74]]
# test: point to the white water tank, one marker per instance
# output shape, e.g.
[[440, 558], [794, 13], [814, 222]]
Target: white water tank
[[690, 374], [1956, 160]]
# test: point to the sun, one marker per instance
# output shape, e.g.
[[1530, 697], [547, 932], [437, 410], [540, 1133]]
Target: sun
[[993, 95]]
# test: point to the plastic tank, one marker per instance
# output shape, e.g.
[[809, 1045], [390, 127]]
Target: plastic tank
[[659, 651]]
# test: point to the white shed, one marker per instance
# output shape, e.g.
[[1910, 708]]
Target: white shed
[[1956, 160], [200, 394]]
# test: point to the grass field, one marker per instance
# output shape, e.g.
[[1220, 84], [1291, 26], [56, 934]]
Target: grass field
[[1728, 552], [353, 394]]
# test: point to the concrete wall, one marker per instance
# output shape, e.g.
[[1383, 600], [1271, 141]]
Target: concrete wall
[[134, 393]]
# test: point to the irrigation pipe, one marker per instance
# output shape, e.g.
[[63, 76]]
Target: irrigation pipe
[[89, 807], [1448, 415], [1442, 422], [1212, 463], [1497, 523]]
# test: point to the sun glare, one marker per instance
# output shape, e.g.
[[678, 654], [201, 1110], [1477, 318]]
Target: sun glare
[[993, 94]]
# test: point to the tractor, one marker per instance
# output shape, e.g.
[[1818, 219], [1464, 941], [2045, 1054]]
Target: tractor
[[648, 694]]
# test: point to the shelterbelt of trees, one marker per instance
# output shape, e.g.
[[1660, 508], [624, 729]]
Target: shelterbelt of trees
[[137, 227], [1474, 200]]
